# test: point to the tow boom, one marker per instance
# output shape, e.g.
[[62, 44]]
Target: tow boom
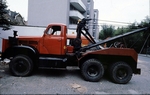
[[81, 26]]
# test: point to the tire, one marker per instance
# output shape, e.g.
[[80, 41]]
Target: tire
[[120, 72], [92, 70], [21, 66]]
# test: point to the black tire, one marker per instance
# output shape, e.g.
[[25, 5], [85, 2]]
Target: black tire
[[21, 66], [92, 70], [120, 72]]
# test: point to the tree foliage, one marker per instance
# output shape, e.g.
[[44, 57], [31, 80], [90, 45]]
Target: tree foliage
[[3, 20], [107, 31], [135, 41]]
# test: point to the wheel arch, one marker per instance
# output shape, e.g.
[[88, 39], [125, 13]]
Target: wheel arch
[[108, 60], [21, 49], [84, 58]]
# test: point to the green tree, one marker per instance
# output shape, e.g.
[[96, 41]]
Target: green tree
[[145, 22], [3, 20], [107, 31], [119, 31], [135, 41]]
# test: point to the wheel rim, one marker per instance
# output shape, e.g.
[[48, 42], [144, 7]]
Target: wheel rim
[[21, 66], [121, 73], [92, 71]]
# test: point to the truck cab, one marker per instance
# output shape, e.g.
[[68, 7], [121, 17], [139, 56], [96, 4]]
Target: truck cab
[[52, 42]]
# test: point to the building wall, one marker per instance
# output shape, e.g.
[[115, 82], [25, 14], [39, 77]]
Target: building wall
[[41, 13], [91, 16], [95, 24]]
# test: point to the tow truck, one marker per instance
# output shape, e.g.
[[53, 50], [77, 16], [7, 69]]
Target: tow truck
[[52, 51]]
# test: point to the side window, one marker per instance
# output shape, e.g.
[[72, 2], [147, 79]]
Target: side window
[[54, 30], [57, 33], [70, 42], [50, 31]]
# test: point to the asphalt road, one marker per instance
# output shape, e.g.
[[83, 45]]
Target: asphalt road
[[70, 81]]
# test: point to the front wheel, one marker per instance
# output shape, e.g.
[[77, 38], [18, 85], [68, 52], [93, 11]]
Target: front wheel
[[92, 70], [120, 72], [21, 65]]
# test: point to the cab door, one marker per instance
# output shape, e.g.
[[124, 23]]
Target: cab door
[[53, 40]]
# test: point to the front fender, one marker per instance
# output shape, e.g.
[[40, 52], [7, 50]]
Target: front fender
[[20, 49]]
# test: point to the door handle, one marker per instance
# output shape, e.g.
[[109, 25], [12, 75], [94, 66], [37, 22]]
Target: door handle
[[59, 39]]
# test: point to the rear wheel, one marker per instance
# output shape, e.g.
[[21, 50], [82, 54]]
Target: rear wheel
[[120, 72], [21, 65], [92, 70]]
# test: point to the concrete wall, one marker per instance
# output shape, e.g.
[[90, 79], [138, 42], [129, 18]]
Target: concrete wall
[[96, 13], [48, 11], [91, 8]]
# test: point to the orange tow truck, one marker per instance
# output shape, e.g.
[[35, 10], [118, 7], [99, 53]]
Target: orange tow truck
[[52, 51]]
